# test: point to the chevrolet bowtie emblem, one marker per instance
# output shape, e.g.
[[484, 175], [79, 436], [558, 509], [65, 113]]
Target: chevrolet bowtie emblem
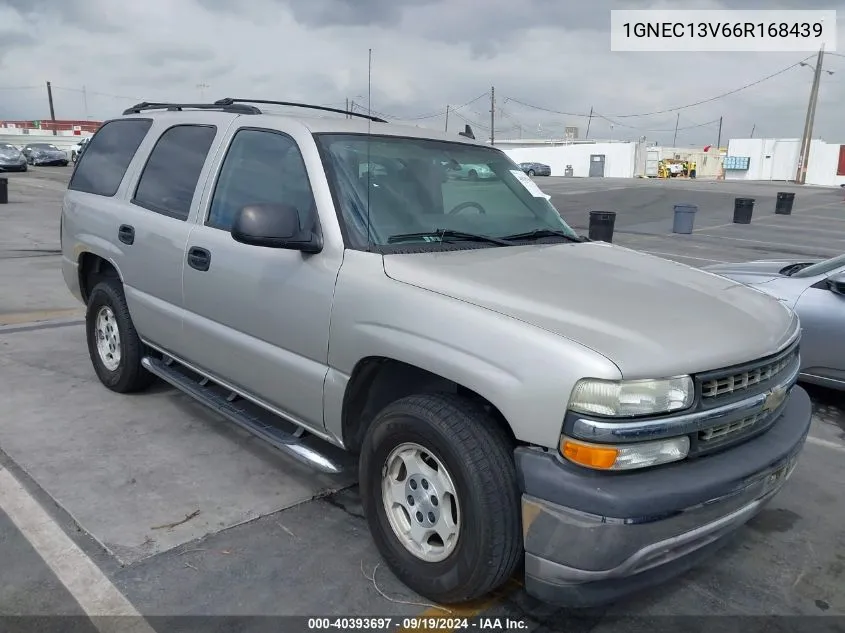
[[774, 398]]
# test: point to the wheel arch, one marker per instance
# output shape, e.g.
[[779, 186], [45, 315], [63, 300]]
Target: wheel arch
[[93, 268], [377, 381]]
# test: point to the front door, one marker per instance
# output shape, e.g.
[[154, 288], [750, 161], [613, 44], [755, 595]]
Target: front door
[[256, 317], [597, 166]]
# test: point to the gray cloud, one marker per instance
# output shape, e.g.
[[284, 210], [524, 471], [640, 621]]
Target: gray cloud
[[427, 53]]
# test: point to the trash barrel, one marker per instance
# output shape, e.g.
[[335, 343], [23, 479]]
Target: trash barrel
[[601, 225], [743, 208], [684, 218], [4, 190], [783, 206], [569, 171]]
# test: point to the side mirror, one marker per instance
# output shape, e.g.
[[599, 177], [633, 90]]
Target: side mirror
[[836, 283], [274, 226]]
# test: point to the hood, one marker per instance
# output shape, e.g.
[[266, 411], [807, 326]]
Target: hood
[[10, 153], [652, 317], [756, 272]]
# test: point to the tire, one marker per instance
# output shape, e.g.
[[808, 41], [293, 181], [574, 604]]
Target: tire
[[473, 175], [126, 374], [530, 172], [478, 459]]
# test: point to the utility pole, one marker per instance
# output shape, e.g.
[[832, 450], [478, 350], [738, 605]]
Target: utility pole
[[52, 111], [492, 115], [446, 129], [85, 102], [753, 127], [806, 139], [589, 121], [675, 138], [201, 87], [719, 139], [347, 107]]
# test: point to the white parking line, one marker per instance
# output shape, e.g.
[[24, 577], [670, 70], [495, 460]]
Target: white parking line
[[825, 443], [703, 259], [99, 598], [788, 245]]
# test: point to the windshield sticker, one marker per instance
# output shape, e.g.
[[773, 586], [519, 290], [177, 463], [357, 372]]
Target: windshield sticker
[[529, 184]]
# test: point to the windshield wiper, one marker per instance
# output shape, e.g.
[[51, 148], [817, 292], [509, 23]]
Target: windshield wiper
[[540, 233], [441, 234]]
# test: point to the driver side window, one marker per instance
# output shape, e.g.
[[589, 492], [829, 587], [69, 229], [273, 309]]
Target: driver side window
[[261, 166]]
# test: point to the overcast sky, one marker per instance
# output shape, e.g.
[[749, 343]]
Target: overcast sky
[[426, 54]]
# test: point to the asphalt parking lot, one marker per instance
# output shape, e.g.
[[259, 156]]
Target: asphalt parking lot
[[161, 509]]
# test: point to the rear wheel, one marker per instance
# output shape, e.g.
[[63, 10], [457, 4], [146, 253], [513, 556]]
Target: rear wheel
[[530, 172], [473, 175], [113, 344], [438, 485]]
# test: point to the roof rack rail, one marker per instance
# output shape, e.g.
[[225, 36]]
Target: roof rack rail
[[230, 102], [233, 107]]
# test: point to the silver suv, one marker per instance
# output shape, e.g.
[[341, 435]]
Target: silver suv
[[515, 394]]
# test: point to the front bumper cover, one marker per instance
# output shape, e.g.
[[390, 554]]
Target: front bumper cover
[[593, 537]]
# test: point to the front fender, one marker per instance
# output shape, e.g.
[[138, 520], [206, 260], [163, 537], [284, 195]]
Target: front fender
[[527, 373]]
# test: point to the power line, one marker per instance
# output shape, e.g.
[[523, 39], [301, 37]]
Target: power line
[[675, 109], [642, 129], [20, 87]]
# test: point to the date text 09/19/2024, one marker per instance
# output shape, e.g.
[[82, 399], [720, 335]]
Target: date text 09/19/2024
[[417, 623]]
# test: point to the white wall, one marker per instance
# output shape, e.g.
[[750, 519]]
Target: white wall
[[777, 159], [618, 163], [822, 164], [64, 139]]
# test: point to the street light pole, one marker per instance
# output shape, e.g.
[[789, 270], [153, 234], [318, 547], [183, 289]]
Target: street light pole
[[806, 139]]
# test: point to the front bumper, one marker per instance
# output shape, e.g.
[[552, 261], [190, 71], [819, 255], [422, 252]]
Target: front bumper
[[13, 166], [593, 537], [48, 162]]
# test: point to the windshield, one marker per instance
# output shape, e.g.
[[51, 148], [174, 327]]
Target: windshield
[[422, 186], [43, 146], [822, 268]]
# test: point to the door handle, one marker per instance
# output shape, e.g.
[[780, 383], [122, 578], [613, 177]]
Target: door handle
[[126, 234], [199, 258]]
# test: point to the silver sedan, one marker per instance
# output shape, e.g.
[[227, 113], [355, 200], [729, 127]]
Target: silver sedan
[[815, 290]]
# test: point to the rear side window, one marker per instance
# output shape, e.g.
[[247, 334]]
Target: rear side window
[[104, 163], [173, 169]]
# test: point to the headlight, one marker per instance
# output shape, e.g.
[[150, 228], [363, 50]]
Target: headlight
[[624, 456], [624, 398]]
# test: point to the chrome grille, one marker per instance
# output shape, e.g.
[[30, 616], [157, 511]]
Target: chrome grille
[[737, 381], [721, 432]]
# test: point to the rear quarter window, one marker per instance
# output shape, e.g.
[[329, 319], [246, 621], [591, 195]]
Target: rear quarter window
[[101, 168]]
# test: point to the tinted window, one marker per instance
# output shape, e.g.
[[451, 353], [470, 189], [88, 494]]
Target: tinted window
[[261, 166], [102, 167], [170, 176]]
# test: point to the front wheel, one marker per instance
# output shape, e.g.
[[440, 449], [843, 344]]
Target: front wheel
[[530, 172], [438, 484]]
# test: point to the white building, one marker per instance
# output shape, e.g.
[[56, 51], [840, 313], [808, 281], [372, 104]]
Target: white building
[[585, 158], [777, 159]]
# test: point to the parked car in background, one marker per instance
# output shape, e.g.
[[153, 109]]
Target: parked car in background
[[11, 158], [45, 154], [471, 171], [536, 169], [815, 290], [76, 150]]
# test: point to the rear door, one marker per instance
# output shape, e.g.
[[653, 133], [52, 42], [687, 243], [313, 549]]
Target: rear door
[[153, 228]]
